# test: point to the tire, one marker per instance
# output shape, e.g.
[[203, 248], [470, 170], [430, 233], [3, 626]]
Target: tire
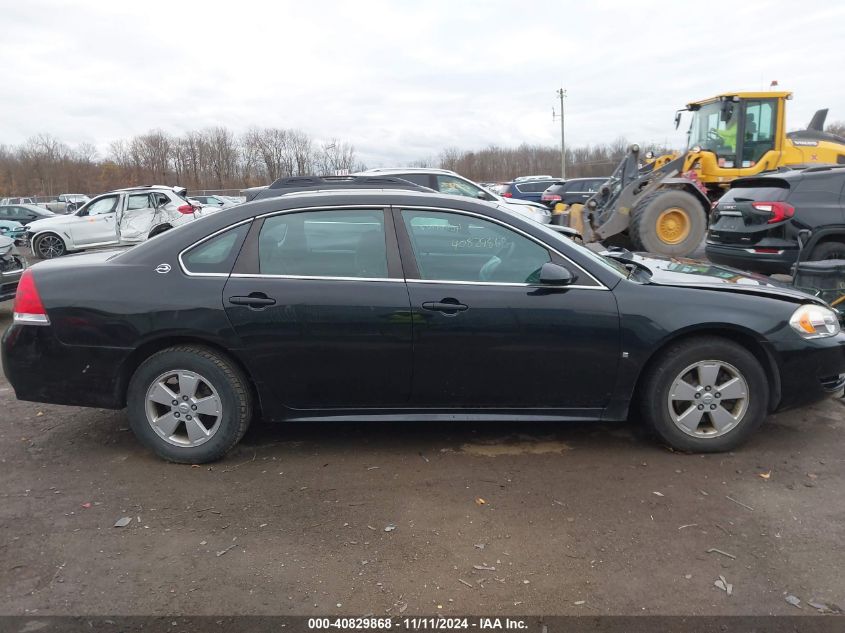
[[49, 246], [681, 212], [828, 250], [211, 375], [663, 399]]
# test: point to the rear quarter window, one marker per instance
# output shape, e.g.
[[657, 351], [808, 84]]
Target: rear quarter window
[[216, 255]]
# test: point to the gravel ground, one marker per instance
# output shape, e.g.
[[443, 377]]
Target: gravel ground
[[418, 519]]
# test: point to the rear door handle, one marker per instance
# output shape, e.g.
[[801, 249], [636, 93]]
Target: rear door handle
[[255, 300], [449, 306]]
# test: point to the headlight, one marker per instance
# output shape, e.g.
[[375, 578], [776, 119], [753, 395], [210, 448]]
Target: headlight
[[812, 321]]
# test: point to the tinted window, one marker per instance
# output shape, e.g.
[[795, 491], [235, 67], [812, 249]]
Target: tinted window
[[417, 179], [535, 187], [324, 244], [457, 247], [160, 199], [744, 194], [218, 254]]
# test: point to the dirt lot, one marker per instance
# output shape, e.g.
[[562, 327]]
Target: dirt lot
[[489, 519]]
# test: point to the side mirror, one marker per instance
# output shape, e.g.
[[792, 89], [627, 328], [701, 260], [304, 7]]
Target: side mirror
[[481, 195], [555, 275]]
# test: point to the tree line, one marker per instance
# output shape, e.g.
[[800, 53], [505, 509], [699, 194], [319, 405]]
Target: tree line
[[217, 158], [212, 158]]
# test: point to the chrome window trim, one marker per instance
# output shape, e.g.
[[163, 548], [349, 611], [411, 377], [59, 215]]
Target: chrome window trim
[[386, 208], [205, 239], [599, 285], [499, 283]]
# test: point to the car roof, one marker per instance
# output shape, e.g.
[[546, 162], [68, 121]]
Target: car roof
[[408, 170], [142, 188], [794, 172]]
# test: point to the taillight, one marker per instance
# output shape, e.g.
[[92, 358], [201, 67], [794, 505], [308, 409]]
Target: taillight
[[779, 211], [28, 306], [185, 208], [507, 194], [550, 197]]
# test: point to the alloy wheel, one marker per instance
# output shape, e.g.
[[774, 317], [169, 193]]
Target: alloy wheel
[[183, 408], [50, 246], [708, 399]]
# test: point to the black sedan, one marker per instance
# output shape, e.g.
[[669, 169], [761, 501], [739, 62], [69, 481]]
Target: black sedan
[[388, 302]]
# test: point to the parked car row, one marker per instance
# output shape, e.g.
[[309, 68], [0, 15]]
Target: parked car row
[[126, 216], [372, 297]]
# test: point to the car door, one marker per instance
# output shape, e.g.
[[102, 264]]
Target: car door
[[135, 220], [487, 335], [319, 301], [94, 224]]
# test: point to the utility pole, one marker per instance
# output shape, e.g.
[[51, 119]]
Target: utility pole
[[562, 94]]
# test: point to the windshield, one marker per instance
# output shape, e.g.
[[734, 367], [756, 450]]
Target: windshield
[[713, 128]]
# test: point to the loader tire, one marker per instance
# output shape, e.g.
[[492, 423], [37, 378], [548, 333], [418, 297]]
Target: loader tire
[[668, 222]]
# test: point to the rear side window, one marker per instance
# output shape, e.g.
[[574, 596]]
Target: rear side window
[[332, 243], [535, 187], [138, 201], [417, 179], [216, 255]]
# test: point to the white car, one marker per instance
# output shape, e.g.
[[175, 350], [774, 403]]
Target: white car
[[450, 182], [126, 216]]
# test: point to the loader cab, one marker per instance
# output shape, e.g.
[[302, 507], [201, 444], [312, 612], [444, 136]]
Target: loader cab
[[733, 135]]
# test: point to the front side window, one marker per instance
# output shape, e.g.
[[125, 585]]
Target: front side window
[[216, 255], [714, 128], [456, 247], [103, 205], [332, 243]]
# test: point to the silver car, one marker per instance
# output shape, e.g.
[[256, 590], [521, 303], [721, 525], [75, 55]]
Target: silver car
[[450, 182]]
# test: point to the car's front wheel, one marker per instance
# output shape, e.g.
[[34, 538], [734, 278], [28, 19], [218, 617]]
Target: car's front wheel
[[48, 246], [705, 394], [189, 404]]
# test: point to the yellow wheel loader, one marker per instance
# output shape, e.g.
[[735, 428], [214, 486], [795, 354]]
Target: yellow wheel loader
[[661, 204]]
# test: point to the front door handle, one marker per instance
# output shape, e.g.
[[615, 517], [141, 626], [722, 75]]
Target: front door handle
[[448, 305], [255, 300]]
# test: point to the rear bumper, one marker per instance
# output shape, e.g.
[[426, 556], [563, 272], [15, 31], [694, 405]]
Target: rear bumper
[[42, 369], [812, 374], [745, 259]]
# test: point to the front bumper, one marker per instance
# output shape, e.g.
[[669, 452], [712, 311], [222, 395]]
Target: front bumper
[[812, 372], [11, 269]]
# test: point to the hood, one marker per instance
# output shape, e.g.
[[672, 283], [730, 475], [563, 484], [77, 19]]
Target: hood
[[680, 271], [43, 223]]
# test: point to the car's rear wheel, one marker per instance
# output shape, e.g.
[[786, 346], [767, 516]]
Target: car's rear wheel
[[48, 246], [705, 394], [828, 250], [189, 404]]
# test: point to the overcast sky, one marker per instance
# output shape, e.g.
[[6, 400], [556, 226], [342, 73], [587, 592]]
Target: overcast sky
[[402, 80]]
